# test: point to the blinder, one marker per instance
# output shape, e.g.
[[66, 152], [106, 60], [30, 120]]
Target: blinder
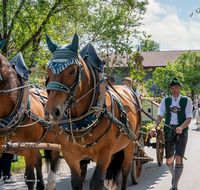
[[69, 90]]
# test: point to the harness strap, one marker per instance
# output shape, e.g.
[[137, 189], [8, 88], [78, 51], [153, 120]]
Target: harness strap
[[46, 124], [139, 108]]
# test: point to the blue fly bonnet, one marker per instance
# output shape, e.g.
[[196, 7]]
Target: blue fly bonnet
[[63, 55], [2, 44]]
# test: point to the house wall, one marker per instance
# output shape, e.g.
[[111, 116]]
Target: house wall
[[151, 109]]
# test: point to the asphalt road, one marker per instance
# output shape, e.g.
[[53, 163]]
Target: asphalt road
[[153, 176]]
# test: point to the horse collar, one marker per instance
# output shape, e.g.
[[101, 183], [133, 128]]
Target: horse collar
[[23, 104]]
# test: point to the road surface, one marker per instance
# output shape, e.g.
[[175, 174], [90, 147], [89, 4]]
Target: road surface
[[153, 176]]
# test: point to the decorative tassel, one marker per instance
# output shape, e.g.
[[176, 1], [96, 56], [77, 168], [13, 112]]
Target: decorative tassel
[[90, 134], [67, 138], [82, 139], [13, 134], [61, 132]]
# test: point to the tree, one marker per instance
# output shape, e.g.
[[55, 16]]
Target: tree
[[25, 22], [163, 76], [189, 65], [149, 45], [186, 68]]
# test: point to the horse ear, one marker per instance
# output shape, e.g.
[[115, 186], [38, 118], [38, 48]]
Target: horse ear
[[51, 45], [2, 44], [74, 45]]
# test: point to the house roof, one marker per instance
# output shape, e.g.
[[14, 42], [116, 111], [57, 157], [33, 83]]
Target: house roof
[[153, 58]]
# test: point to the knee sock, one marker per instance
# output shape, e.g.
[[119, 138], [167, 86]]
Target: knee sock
[[171, 168], [177, 174]]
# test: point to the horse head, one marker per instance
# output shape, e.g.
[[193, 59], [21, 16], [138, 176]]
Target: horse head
[[65, 85], [8, 80], [1, 45]]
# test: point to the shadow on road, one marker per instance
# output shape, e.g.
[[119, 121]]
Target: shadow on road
[[151, 174]]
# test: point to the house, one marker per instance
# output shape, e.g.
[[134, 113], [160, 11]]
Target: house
[[151, 107], [151, 60]]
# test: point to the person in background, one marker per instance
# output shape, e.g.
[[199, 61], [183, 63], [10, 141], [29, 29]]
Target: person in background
[[5, 168], [194, 109], [177, 110], [111, 79], [198, 103], [128, 82]]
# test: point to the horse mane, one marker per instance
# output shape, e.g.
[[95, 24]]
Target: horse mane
[[10, 79]]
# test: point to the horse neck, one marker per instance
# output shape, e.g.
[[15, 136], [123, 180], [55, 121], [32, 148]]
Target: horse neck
[[86, 85], [6, 105], [10, 80]]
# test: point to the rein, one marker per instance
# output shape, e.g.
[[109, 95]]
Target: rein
[[24, 86], [139, 108]]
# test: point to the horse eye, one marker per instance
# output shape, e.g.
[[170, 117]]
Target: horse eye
[[72, 72]]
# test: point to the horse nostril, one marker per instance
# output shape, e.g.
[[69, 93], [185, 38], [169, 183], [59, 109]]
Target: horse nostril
[[57, 112]]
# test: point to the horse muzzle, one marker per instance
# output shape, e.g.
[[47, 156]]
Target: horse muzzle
[[55, 115]]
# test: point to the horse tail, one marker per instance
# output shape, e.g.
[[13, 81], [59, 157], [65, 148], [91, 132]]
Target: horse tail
[[114, 169], [52, 159]]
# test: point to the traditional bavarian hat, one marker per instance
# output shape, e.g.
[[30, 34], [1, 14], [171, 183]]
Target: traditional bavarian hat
[[175, 82]]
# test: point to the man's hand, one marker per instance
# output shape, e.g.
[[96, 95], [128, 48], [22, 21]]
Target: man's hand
[[152, 132], [179, 130]]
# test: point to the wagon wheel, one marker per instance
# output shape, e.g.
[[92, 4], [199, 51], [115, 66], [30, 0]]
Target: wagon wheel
[[160, 147], [136, 169], [83, 170]]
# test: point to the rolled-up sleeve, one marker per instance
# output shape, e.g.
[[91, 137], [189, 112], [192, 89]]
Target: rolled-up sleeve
[[162, 110], [188, 109]]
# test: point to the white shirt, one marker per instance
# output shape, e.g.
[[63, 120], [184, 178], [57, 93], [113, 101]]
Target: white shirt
[[175, 102], [136, 92]]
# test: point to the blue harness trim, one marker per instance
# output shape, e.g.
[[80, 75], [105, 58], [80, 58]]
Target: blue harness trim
[[89, 122]]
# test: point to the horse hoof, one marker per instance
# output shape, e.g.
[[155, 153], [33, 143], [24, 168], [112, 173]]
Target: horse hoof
[[110, 185]]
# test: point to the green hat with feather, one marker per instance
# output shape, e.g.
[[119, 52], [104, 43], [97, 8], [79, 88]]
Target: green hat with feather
[[175, 82]]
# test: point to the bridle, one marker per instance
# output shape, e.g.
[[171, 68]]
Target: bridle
[[69, 90]]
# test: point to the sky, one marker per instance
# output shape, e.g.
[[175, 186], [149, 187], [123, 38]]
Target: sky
[[170, 24]]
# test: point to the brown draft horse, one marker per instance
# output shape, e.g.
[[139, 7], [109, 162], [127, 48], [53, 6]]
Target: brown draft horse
[[64, 73], [32, 133]]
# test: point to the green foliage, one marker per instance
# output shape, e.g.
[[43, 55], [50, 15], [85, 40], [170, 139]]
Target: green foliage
[[163, 76], [149, 45], [186, 68], [24, 23], [189, 65], [18, 166]]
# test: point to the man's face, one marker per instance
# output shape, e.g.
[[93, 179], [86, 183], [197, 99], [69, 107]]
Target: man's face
[[175, 90], [125, 82]]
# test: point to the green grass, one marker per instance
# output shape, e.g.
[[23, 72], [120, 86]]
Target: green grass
[[18, 166]]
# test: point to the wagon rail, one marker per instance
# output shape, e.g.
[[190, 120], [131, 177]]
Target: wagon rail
[[11, 146]]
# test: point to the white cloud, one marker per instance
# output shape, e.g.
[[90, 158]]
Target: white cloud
[[172, 32]]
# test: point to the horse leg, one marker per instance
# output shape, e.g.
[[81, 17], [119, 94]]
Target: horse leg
[[54, 162], [102, 164], [30, 159], [74, 165], [38, 166], [126, 165], [113, 171]]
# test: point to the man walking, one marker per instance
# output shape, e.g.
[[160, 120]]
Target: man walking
[[177, 110]]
